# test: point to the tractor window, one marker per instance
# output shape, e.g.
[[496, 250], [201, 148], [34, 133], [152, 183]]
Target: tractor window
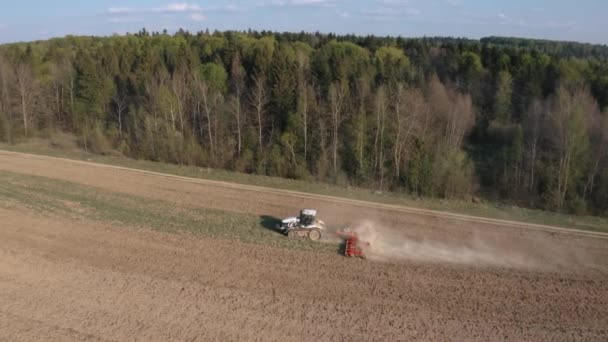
[[306, 220]]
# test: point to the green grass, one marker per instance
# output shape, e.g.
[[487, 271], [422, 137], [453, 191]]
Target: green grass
[[68, 150], [65, 199]]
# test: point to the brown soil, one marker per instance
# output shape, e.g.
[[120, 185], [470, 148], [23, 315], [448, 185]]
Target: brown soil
[[62, 279]]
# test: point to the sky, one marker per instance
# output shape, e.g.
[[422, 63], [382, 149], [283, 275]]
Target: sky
[[581, 20]]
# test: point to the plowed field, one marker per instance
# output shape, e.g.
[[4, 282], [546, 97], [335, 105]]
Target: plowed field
[[432, 277]]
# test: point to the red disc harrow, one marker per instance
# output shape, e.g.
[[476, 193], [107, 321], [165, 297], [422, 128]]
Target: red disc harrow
[[352, 245]]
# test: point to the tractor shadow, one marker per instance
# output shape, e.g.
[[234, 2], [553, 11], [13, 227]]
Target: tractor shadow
[[270, 223]]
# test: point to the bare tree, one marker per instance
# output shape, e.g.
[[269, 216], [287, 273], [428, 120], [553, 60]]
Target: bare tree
[[410, 110], [320, 134], [197, 113], [381, 107], [154, 87], [25, 87], [120, 107], [62, 79], [440, 104], [71, 87], [288, 139], [259, 99], [179, 86], [302, 101], [337, 96], [6, 78], [305, 95], [58, 84], [238, 85], [460, 119], [532, 124], [363, 90], [597, 126], [210, 100], [451, 110], [568, 133]]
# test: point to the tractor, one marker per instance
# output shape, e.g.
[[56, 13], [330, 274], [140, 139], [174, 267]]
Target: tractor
[[306, 225]]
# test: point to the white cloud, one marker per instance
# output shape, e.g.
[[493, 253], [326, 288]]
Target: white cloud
[[413, 12], [285, 3], [391, 12], [453, 3], [197, 16], [233, 8], [125, 19], [191, 10], [569, 25], [169, 11], [309, 2], [383, 18], [344, 15], [502, 16], [174, 7], [178, 7], [394, 2], [378, 11], [116, 10]]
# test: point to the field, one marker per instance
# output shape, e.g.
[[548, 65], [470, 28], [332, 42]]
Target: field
[[65, 146], [99, 252]]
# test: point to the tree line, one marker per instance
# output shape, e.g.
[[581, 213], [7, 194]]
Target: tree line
[[510, 119]]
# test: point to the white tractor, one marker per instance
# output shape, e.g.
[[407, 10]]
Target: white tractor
[[304, 226]]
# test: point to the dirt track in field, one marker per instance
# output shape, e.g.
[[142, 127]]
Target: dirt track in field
[[67, 280]]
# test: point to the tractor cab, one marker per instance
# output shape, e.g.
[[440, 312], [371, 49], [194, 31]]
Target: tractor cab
[[307, 217]]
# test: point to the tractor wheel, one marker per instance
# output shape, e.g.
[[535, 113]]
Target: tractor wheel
[[314, 235], [292, 234]]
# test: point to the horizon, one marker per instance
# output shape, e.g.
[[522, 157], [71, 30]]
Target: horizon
[[246, 31], [580, 22]]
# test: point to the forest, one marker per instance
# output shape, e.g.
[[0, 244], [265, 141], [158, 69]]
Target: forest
[[506, 119]]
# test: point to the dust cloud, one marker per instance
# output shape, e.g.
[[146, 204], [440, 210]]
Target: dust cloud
[[386, 244]]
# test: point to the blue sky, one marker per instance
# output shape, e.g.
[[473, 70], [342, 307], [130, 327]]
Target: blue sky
[[581, 20]]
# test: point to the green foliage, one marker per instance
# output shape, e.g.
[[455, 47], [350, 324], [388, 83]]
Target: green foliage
[[194, 99], [283, 74], [340, 61], [470, 68], [452, 174], [94, 140], [94, 87], [504, 91], [4, 129], [420, 171], [215, 75], [560, 48], [392, 64]]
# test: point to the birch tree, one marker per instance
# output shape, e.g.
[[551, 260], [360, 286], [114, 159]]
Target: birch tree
[[259, 99], [337, 99], [569, 136], [381, 107], [238, 87], [26, 90]]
